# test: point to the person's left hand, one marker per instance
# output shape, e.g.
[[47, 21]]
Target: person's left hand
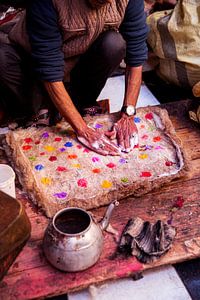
[[126, 133]]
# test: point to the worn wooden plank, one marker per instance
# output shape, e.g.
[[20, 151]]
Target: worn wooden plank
[[32, 277]]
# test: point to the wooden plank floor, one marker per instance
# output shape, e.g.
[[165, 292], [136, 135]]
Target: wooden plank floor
[[31, 277]]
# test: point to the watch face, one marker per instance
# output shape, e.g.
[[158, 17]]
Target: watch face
[[130, 110]]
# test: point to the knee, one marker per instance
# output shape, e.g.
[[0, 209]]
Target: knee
[[113, 46], [8, 61]]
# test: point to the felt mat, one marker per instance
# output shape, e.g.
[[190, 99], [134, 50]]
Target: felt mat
[[31, 277], [57, 171]]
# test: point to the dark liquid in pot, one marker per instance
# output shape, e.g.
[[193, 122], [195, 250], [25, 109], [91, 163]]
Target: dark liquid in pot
[[72, 221]]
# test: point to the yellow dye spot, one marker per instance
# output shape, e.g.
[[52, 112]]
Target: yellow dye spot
[[49, 148], [143, 156], [106, 184], [78, 166], [46, 180]]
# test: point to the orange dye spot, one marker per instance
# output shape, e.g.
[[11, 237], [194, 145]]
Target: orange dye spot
[[96, 171], [72, 156]]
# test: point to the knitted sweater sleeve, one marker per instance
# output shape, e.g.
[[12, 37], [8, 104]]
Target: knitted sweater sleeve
[[46, 40], [134, 30]]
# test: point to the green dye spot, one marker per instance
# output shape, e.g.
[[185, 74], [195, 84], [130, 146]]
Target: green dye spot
[[32, 158], [124, 180]]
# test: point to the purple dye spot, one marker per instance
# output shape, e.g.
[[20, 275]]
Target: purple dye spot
[[98, 126], [39, 167], [122, 160], [95, 159], [45, 135], [137, 120], [148, 147], [61, 195], [68, 144], [62, 149]]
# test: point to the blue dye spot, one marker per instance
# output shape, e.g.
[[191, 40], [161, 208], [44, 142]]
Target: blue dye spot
[[137, 120], [68, 144], [39, 167]]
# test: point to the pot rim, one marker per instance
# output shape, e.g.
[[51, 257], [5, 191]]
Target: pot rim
[[67, 209]]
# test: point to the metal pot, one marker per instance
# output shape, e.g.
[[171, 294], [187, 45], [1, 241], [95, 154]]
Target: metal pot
[[73, 241]]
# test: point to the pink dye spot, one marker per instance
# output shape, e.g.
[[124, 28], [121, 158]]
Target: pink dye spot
[[86, 150], [58, 139], [145, 174], [26, 147], [95, 159], [82, 182], [145, 136], [136, 146], [111, 165], [61, 169], [179, 202], [37, 142], [28, 140], [157, 139], [42, 153], [158, 148], [52, 158], [149, 116], [79, 146]]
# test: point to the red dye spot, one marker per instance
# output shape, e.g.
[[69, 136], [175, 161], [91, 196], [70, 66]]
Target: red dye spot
[[72, 156], [58, 139], [145, 136], [169, 163], [96, 171], [86, 150], [26, 147], [28, 140], [37, 142], [149, 116], [111, 165], [157, 139], [179, 202], [145, 174], [79, 146], [42, 153], [136, 146], [142, 126], [61, 169], [52, 158], [82, 182]]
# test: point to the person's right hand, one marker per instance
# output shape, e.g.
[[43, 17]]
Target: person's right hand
[[98, 142]]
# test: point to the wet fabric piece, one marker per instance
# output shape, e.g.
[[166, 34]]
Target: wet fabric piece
[[147, 241]]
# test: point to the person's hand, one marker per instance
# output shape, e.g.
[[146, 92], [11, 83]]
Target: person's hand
[[97, 141], [126, 133]]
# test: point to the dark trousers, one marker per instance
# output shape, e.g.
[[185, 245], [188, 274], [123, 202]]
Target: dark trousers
[[23, 95]]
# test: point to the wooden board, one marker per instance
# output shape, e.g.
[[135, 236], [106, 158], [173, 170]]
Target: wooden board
[[31, 277]]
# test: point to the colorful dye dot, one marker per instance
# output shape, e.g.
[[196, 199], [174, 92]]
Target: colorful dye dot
[[79, 146], [124, 180], [149, 116], [68, 144], [78, 166], [61, 195], [45, 135], [106, 184], [26, 147], [61, 169], [145, 174], [96, 171], [169, 163], [137, 120], [143, 156], [158, 148], [111, 165], [62, 149], [42, 153], [136, 146], [148, 147], [49, 148], [82, 182], [58, 139], [46, 180], [72, 156], [52, 158], [86, 150], [157, 139], [122, 160], [32, 158], [145, 136], [28, 140], [39, 167], [95, 159], [142, 126], [37, 142], [97, 126]]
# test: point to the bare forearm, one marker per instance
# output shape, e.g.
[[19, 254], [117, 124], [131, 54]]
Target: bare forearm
[[65, 106], [133, 79]]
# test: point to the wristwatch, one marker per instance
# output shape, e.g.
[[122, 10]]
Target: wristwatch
[[129, 110]]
